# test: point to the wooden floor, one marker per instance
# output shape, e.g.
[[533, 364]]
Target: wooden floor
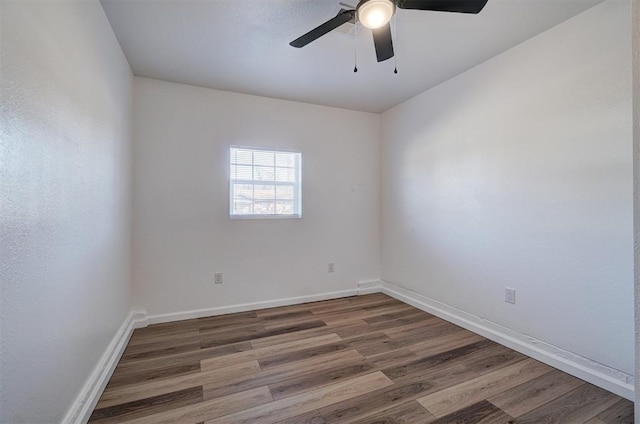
[[366, 359]]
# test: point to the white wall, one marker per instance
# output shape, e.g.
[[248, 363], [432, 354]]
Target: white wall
[[635, 25], [65, 202], [518, 173], [182, 230]]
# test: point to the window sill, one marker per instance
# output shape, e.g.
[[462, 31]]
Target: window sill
[[257, 216]]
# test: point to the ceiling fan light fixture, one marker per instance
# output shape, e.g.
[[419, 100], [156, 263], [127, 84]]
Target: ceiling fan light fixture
[[374, 14]]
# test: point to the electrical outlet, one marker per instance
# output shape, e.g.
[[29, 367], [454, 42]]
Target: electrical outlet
[[509, 295], [331, 267], [217, 278]]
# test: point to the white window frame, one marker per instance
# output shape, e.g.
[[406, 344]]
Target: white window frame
[[297, 185]]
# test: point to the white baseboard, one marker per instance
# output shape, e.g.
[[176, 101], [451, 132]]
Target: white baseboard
[[243, 307], [369, 286], [595, 373], [82, 407]]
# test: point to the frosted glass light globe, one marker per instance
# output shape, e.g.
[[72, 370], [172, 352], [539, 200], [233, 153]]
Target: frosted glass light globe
[[376, 13]]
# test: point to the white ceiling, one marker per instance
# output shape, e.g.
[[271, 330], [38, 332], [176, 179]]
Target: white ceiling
[[243, 46]]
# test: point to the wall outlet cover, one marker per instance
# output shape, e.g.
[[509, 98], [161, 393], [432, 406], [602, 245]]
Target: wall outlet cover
[[510, 295]]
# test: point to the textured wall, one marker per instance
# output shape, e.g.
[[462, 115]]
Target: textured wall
[[65, 202], [518, 173], [182, 230], [635, 27]]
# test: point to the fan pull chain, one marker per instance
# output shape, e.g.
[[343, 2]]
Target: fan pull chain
[[395, 37], [355, 47]]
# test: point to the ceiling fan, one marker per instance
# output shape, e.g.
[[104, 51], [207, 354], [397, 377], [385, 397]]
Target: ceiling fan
[[376, 15]]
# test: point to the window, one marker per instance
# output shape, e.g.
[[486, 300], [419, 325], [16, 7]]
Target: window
[[264, 183]]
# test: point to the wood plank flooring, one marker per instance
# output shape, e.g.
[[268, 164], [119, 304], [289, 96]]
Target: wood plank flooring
[[362, 360]]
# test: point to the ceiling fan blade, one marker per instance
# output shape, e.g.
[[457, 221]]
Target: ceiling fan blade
[[383, 42], [330, 25], [460, 6]]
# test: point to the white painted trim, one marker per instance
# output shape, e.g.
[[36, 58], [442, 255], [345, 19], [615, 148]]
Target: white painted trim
[[243, 307], [82, 407], [141, 320], [369, 286], [596, 373]]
